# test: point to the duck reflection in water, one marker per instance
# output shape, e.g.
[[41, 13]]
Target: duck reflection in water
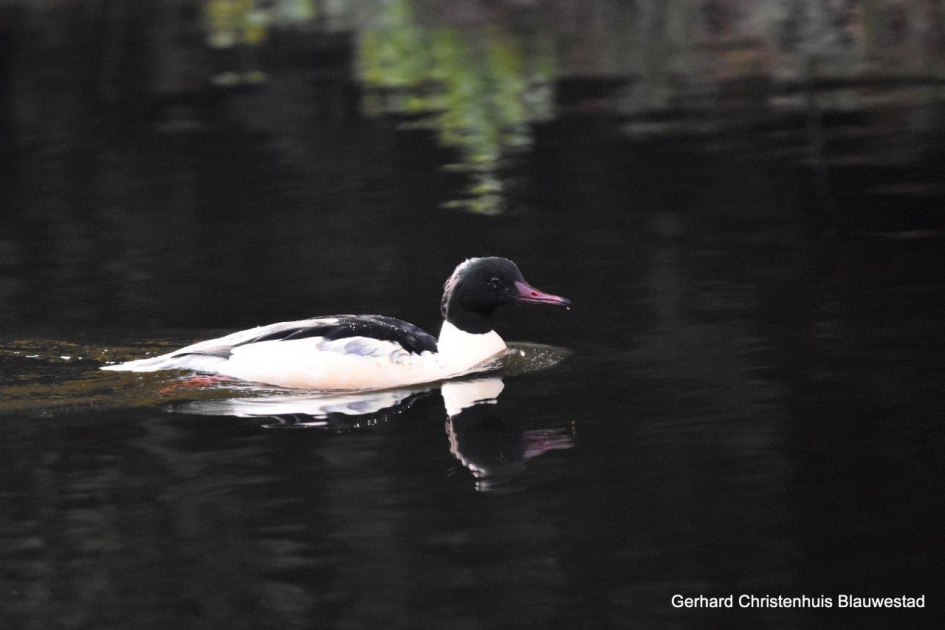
[[495, 449]]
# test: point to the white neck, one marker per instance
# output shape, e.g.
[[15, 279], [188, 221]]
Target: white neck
[[458, 351]]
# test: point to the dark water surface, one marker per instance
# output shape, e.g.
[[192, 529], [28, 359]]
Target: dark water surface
[[754, 402]]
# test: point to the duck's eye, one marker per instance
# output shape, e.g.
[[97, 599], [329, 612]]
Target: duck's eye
[[496, 281]]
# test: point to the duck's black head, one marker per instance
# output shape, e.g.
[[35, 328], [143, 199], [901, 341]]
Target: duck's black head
[[481, 285]]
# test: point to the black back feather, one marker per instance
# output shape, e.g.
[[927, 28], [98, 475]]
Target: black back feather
[[411, 338]]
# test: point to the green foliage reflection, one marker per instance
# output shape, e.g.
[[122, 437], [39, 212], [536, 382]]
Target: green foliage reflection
[[478, 89]]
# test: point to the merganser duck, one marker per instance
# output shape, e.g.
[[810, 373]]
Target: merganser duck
[[361, 352]]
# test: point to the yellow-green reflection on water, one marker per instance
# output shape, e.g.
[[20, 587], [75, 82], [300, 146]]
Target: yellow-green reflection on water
[[44, 375], [479, 89]]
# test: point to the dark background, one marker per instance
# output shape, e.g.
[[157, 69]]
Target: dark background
[[743, 200]]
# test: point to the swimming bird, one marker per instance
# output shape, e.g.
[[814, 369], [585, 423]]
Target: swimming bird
[[362, 352]]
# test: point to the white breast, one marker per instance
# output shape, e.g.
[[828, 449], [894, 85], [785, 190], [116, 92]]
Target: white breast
[[458, 352]]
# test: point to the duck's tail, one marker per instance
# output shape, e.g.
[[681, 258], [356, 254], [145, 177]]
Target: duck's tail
[[196, 362]]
